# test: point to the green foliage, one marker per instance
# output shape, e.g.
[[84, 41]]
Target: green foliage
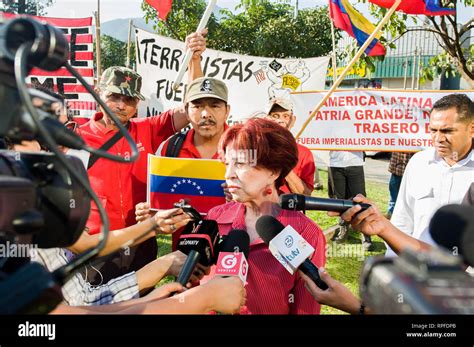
[[25, 6], [114, 52], [260, 28]]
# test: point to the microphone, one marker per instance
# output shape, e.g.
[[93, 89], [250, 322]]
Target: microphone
[[232, 259], [452, 227], [300, 202], [199, 246], [289, 248]]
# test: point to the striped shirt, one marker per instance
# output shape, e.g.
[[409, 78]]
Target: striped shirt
[[271, 289], [78, 292]]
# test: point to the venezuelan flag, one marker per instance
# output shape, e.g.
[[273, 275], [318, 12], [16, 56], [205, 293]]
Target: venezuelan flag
[[426, 7], [197, 180], [346, 18]]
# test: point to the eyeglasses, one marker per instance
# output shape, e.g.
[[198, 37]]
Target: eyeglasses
[[71, 125]]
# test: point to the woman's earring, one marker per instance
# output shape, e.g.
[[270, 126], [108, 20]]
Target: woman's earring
[[268, 191]]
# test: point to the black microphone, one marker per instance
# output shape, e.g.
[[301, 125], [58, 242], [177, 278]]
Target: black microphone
[[199, 245], [452, 227], [300, 202], [268, 227], [237, 240]]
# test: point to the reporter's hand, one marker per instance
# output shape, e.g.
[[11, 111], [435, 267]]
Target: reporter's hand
[[197, 43], [369, 222], [163, 291], [143, 212], [227, 194], [227, 294], [337, 295], [168, 221]]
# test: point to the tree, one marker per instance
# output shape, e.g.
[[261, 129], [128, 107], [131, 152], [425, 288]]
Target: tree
[[114, 52], [261, 28], [452, 37], [34, 7]]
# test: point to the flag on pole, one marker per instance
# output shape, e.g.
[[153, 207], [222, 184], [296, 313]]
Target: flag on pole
[[197, 180], [426, 7], [163, 7], [346, 18]]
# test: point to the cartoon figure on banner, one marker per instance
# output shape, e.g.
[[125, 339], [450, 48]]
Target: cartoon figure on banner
[[285, 79]]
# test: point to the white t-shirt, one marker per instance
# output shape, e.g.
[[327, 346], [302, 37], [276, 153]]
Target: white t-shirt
[[345, 158]]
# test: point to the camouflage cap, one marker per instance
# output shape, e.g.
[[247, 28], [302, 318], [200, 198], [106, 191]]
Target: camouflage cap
[[206, 87], [283, 103], [121, 80]]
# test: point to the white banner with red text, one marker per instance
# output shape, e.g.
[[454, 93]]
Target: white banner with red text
[[251, 81], [367, 119]]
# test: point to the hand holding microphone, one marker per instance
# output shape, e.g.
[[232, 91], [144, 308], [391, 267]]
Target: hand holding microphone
[[289, 248]]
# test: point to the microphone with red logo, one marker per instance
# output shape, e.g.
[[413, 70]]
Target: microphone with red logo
[[232, 259], [199, 245]]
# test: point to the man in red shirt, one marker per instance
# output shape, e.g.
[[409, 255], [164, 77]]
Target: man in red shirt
[[120, 186], [207, 110], [301, 179]]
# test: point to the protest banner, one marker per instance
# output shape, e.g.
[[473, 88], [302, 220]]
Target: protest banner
[[78, 31], [367, 119], [252, 81]]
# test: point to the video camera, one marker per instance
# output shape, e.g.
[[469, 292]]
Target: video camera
[[432, 282], [44, 197]]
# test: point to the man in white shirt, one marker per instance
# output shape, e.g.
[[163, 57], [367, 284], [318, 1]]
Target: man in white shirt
[[441, 175]]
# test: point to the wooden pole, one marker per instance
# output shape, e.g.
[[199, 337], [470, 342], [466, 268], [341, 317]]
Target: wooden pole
[[349, 66], [97, 42], [130, 24], [334, 61]]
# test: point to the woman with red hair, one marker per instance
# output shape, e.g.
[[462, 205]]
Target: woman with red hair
[[258, 156]]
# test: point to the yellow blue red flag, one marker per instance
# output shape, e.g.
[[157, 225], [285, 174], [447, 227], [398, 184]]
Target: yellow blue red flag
[[426, 7], [197, 180], [346, 17]]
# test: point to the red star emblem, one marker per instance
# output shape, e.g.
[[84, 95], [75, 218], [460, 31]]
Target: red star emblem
[[128, 78]]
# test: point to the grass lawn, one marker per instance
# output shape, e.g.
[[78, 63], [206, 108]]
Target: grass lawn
[[344, 261]]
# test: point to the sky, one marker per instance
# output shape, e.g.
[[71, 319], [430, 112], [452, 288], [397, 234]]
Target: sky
[[113, 9]]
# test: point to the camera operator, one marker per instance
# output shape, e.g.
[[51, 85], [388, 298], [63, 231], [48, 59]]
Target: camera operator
[[369, 222]]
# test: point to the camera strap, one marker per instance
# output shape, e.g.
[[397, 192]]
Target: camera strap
[[106, 146]]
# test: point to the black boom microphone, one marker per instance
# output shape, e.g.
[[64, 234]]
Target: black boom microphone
[[452, 227], [300, 202], [199, 245], [267, 228]]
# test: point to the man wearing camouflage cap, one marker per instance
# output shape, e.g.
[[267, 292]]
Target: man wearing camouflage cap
[[301, 179], [207, 110], [120, 186]]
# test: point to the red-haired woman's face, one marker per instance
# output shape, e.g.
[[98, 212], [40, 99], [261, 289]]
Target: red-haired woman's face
[[246, 182]]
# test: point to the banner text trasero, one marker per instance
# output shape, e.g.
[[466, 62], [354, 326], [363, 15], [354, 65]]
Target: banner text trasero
[[367, 119]]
